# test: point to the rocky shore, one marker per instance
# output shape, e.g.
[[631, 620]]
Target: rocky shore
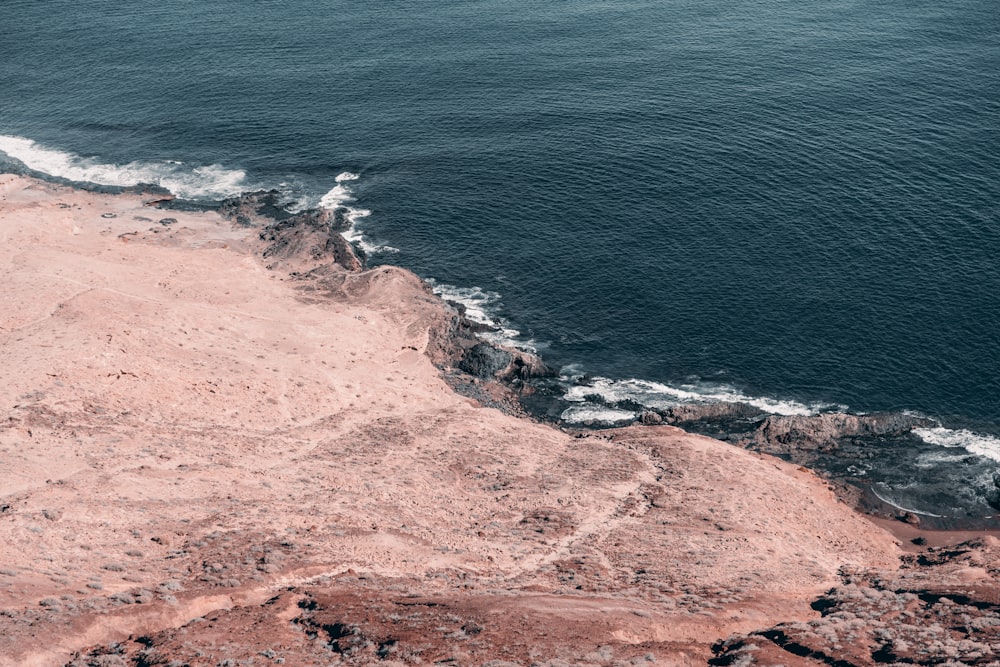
[[227, 443]]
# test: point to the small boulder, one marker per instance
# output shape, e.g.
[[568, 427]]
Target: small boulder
[[484, 360], [650, 418]]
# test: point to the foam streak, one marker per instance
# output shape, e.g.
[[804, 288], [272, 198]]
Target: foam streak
[[338, 198], [982, 445], [210, 182]]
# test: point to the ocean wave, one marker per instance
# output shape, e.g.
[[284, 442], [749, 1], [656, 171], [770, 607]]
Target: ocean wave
[[658, 395], [939, 458], [581, 414], [207, 182], [338, 198], [480, 307], [983, 445]]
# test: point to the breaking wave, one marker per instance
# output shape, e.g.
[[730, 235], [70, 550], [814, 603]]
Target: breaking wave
[[205, 182], [657, 395], [983, 445], [582, 414], [481, 307], [196, 183], [338, 199]]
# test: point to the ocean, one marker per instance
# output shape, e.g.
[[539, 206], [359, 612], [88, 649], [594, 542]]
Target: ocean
[[794, 205]]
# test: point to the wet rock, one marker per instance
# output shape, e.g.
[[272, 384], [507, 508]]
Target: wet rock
[[308, 238], [783, 434], [524, 366], [993, 495], [651, 418], [484, 360], [487, 361], [248, 206], [679, 414]]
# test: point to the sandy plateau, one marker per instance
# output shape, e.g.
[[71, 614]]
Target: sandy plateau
[[210, 457]]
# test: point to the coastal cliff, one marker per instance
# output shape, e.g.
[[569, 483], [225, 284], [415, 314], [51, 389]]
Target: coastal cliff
[[227, 443]]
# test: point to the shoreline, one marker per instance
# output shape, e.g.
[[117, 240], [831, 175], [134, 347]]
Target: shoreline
[[500, 375], [212, 427], [822, 440]]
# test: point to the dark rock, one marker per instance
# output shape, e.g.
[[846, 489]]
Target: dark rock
[[484, 360], [250, 205], [309, 238], [784, 434], [651, 418], [524, 366], [710, 411], [472, 628], [488, 361]]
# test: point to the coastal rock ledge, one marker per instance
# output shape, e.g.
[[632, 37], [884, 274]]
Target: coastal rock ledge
[[210, 462]]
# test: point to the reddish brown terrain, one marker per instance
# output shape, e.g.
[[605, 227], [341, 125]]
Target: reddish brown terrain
[[222, 447]]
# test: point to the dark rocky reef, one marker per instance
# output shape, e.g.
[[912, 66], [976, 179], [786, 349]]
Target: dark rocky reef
[[298, 241], [487, 361], [484, 360], [835, 444], [493, 375], [308, 237], [798, 438], [786, 435], [251, 206]]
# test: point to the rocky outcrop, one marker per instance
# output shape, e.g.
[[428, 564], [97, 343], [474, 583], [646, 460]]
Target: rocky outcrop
[[487, 361], [682, 414], [484, 360], [300, 242], [993, 496], [306, 241], [784, 434], [525, 365], [249, 207]]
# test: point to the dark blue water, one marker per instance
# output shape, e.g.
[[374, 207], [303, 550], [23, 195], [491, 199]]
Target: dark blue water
[[792, 203]]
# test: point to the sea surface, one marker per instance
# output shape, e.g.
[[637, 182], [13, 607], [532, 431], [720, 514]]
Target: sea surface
[[793, 204]]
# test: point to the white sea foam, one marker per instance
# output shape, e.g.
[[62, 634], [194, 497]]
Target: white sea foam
[[480, 307], [189, 182], [657, 395], [338, 198], [478, 302], [984, 445], [581, 414], [939, 457]]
